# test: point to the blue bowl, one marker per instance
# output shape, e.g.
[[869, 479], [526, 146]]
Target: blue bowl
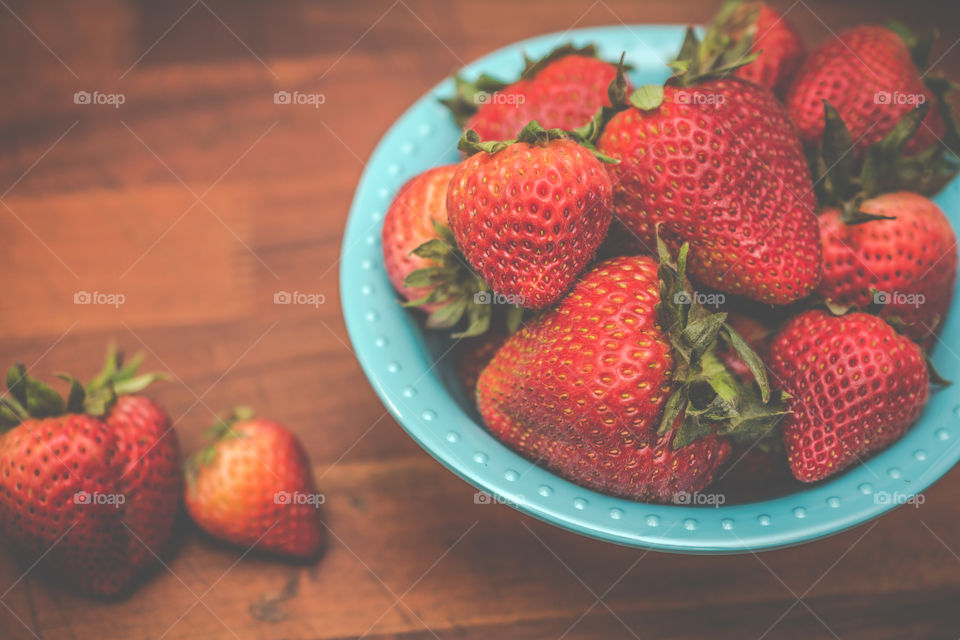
[[408, 370]]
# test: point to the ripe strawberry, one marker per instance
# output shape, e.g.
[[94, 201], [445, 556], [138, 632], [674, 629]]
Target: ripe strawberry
[[89, 487], [718, 164], [778, 46], [529, 215], [253, 486], [563, 90], [595, 391], [908, 264], [854, 386], [869, 75], [419, 205]]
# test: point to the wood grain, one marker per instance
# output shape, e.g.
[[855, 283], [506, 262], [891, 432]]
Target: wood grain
[[199, 198]]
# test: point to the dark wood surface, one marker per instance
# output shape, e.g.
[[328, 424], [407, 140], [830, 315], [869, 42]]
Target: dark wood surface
[[198, 198]]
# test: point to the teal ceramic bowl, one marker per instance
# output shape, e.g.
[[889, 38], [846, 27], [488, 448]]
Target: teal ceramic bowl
[[409, 370]]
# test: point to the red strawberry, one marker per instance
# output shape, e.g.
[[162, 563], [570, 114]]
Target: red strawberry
[[909, 261], [93, 497], [778, 46], [253, 487], [563, 90], [410, 222], [530, 215], [868, 74], [594, 390], [719, 165], [855, 386]]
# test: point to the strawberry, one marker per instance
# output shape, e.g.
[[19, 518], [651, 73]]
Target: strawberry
[[562, 90], [410, 222], [89, 488], [869, 74], [252, 486], [891, 248], [854, 384], [422, 261], [907, 263], [529, 214], [601, 393], [717, 163], [778, 47]]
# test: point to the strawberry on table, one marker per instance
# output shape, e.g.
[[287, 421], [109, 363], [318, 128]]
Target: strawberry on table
[[714, 160], [252, 486], [854, 384], [90, 486], [619, 388], [528, 214]]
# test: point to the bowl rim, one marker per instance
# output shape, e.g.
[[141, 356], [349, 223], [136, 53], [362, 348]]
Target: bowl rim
[[851, 498]]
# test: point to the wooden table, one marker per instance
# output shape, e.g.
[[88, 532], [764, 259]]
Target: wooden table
[[198, 198]]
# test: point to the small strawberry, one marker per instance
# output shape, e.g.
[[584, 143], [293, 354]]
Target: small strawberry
[[252, 486], [717, 163], [601, 393], [410, 221], [854, 384], [778, 46], [529, 214], [871, 76], [422, 261], [562, 90], [896, 248], [89, 488], [907, 263]]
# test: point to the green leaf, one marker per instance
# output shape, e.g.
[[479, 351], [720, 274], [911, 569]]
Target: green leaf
[[692, 428], [137, 384], [428, 276], [750, 358], [648, 97], [700, 335], [76, 395], [675, 405], [10, 414], [448, 315], [42, 400], [756, 418], [478, 320], [835, 174], [514, 318], [471, 143], [434, 249], [879, 171], [935, 377], [17, 383]]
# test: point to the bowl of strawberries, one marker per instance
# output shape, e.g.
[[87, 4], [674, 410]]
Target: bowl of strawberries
[[688, 290]]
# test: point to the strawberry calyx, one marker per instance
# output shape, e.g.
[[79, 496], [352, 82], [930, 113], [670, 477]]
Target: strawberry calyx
[[717, 55], [534, 133], [220, 430], [707, 397], [468, 95], [844, 182], [29, 398], [453, 284]]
